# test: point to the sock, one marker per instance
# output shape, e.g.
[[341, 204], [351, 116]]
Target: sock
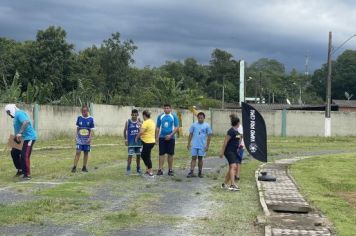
[[128, 168], [138, 168]]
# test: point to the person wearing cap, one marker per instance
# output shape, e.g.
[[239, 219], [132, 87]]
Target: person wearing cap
[[23, 131]]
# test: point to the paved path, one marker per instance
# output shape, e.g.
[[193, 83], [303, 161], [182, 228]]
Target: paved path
[[287, 211]]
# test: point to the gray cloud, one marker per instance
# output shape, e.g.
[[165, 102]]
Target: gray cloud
[[174, 30]]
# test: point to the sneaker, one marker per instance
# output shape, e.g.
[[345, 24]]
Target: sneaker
[[190, 174], [138, 171], [74, 169], [159, 172], [237, 178], [128, 172], [223, 186], [84, 169], [148, 174], [25, 178], [170, 173], [234, 188], [19, 173], [200, 175]]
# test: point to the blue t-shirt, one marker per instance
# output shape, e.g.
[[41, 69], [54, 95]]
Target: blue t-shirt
[[29, 133], [167, 123], [133, 129], [200, 133], [85, 125]]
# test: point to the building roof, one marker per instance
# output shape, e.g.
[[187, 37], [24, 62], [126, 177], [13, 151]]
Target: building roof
[[345, 103]]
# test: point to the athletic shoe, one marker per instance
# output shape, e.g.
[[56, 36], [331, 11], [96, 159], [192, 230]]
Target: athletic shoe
[[19, 173], [74, 169], [25, 178], [237, 178], [200, 175], [223, 186], [147, 174], [84, 169], [170, 173], [128, 172], [138, 171], [159, 172], [190, 174], [234, 188]]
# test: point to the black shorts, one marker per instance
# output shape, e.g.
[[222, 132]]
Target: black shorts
[[166, 146], [231, 157]]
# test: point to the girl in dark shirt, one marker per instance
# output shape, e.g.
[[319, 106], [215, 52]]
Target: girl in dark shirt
[[229, 150]]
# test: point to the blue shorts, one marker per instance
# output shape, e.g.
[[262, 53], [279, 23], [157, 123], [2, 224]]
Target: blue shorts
[[134, 150], [240, 154], [84, 148], [198, 152]]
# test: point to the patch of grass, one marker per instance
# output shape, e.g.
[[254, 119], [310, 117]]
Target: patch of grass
[[329, 182], [36, 211], [67, 190], [234, 212]]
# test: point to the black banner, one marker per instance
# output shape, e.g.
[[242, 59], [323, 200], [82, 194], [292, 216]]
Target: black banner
[[255, 133]]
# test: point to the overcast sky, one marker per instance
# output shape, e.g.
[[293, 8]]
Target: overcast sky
[[286, 30]]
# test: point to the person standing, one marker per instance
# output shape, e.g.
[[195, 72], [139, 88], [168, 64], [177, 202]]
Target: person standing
[[229, 150], [166, 126], [131, 130], [200, 135], [147, 136], [85, 126], [23, 131]]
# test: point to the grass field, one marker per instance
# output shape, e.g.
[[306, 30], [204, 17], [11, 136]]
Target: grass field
[[329, 182], [106, 201]]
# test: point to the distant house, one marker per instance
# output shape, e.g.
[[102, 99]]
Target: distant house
[[345, 105]]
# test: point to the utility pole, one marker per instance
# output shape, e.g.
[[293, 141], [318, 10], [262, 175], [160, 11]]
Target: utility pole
[[328, 92], [223, 93]]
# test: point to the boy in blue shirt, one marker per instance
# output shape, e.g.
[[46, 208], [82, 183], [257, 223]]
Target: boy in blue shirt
[[131, 130], [85, 126], [200, 136], [166, 127], [23, 131]]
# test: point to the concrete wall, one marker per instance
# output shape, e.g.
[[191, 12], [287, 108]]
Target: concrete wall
[[54, 121]]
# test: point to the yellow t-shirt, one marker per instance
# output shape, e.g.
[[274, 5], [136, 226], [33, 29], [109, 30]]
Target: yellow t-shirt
[[148, 135]]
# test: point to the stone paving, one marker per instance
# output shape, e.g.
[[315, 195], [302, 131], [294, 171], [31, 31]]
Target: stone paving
[[287, 211]]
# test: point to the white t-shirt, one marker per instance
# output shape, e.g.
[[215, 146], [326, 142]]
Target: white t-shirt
[[241, 131]]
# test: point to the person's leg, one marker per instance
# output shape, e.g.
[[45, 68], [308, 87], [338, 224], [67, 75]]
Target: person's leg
[[192, 166], [170, 151], [162, 152], [16, 158], [232, 172], [200, 166], [85, 161], [238, 167], [149, 161], [239, 160], [25, 158], [76, 160], [138, 160]]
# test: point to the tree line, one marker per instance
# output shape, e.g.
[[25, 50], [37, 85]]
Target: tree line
[[49, 70]]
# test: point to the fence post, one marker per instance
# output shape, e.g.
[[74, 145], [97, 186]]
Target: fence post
[[284, 123], [35, 116]]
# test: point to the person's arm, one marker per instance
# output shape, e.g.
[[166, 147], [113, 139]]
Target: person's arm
[[227, 139], [208, 143], [176, 127], [157, 134], [189, 140], [22, 129], [91, 131], [141, 131], [125, 133]]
